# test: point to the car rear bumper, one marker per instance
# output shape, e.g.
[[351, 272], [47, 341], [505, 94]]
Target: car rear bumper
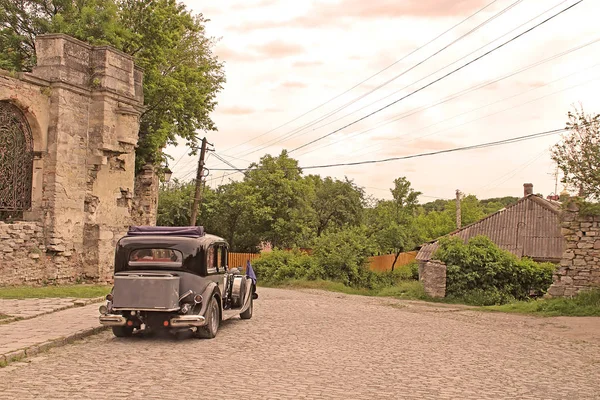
[[186, 321], [112, 320]]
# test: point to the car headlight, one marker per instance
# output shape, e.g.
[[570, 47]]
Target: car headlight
[[103, 309]]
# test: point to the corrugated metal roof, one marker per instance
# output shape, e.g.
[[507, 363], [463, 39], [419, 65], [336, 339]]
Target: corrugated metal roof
[[528, 228]]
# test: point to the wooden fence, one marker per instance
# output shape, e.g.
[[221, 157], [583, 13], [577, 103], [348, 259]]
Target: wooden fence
[[239, 259], [384, 263], [377, 263]]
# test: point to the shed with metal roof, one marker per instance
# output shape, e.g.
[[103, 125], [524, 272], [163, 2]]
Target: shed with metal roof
[[529, 228]]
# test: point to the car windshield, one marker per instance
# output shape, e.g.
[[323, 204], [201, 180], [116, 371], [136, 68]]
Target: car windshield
[[156, 256]]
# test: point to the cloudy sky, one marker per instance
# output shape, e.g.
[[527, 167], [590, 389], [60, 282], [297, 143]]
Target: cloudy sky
[[293, 71]]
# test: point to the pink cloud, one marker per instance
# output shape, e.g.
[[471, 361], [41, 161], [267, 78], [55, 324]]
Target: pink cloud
[[293, 85], [329, 15], [279, 49], [236, 110], [227, 54], [302, 64]]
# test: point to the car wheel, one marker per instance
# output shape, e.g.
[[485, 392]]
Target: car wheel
[[122, 331], [209, 330], [248, 313]]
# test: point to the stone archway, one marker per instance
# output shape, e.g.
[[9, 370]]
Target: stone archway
[[16, 162]]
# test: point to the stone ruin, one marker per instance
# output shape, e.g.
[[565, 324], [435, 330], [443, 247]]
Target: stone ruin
[[580, 265], [68, 133]]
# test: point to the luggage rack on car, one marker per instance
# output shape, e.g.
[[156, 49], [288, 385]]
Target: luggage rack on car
[[182, 231]]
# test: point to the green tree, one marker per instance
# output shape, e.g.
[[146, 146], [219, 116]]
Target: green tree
[[282, 193], [174, 202], [392, 222], [578, 154], [181, 74], [335, 203]]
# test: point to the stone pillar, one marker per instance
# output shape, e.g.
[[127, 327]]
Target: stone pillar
[[146, 197], [64, 62], [580, 265], [433, 276], [96, 103]]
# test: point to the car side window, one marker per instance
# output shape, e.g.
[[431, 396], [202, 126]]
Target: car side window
[[224, 260], [219, 251], [211, 262]]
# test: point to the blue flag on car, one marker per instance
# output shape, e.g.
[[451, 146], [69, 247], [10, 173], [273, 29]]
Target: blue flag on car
[[250, 272]]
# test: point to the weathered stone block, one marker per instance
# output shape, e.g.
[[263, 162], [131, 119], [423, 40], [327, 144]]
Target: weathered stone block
[[433, 276]]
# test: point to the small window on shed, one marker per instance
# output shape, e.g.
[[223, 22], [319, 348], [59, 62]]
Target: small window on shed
[[155, 256]]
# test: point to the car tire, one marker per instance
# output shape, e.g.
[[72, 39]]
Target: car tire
[[122, 331], [213, 321], [248, 313]]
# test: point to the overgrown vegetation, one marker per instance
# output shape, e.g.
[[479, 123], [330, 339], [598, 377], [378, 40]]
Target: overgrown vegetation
[[60, 291], [480, 273], [585, 304], [340, 258]]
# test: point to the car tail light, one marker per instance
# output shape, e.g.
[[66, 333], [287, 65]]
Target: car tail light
[[166, 323], [130, 323]]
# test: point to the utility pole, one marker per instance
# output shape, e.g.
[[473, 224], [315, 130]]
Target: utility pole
[[458, 216], [199, 173]]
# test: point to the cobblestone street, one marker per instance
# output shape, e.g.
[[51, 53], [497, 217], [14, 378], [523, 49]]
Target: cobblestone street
[[309, 344]]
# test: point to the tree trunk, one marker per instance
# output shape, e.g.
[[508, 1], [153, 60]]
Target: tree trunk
[[396, 259]]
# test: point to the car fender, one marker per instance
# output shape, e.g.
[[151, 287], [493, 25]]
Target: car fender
[[211, 290], [247, 296]]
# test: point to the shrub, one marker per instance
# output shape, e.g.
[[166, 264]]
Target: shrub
[[481, 273], [343, 255], [279, 265]]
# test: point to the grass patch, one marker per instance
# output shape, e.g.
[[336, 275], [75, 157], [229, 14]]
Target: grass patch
[[585, 304], [61, 291], [404, 289]]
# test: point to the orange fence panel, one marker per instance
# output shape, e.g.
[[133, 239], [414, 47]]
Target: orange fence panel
[[384, 263], [236, 260]]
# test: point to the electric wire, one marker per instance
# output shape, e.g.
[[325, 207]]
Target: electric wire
[[438, 79]]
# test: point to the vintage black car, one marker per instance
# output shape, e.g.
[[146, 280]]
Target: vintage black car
[[176, 279]]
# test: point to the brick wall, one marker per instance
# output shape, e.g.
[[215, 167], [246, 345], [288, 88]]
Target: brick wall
[[580, 266], [24, 259]]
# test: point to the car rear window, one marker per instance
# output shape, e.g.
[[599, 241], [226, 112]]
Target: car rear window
[[156, 256]]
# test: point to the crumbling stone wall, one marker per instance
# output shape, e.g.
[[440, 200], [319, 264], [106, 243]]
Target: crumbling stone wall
[[432, 275], [145, 205], [83, 104], [24, 258], [580, 266]]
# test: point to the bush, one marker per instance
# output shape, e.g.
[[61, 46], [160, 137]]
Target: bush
[[481, 273], [278, 266], [343, 255]]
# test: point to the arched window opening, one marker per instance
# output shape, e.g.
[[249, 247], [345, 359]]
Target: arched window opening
[[16, 162]]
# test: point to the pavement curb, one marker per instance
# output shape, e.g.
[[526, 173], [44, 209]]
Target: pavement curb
[[76, 303], [18, 355]]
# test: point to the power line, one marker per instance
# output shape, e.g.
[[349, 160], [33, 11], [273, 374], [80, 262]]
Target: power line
[[426, 154], [458, 94], [488, 115], [438, 79], [464, 92], [298, 130], [385, 160], [367, 79]]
